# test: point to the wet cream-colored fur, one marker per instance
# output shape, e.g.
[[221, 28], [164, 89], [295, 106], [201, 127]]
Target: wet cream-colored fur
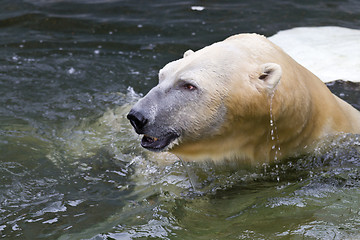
[[237, 80]]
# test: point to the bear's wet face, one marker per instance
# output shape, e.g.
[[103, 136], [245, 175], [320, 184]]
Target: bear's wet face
[[161, 115], [178, 109], [187, 106]]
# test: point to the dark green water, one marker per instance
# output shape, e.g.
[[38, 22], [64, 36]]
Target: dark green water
[[71, 166]]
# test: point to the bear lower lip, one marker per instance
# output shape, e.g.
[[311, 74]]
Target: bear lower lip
[[150, 139], [157, 144]]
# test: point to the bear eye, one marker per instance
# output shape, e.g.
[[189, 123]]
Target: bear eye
[[189, 86]]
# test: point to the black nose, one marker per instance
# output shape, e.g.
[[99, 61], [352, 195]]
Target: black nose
[[137, 120]]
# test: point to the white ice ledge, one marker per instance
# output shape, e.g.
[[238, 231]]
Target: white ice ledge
[[331, 53]]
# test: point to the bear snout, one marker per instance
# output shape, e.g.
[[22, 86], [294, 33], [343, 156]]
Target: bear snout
[[137, 120]]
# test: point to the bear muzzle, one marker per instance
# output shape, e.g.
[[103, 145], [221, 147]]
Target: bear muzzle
[[152, 143]]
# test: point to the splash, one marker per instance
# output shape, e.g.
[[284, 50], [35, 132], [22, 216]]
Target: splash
[[196, 186]]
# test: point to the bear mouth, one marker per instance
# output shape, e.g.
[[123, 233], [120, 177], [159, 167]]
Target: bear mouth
[[157, 144]]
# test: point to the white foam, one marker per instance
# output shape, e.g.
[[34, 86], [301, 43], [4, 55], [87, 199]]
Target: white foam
[[331, 53], [197, 8]]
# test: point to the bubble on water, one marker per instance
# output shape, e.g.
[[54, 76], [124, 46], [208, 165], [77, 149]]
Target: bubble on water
[[197, 8], [71, 70], [97, 51]]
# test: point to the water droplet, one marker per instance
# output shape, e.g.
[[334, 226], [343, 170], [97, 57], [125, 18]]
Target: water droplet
[[273, 131]]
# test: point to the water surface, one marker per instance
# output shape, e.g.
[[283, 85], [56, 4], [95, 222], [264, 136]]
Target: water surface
[[71, 166]]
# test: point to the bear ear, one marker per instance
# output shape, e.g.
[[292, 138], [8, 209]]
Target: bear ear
[[270, 75], [188, 53]]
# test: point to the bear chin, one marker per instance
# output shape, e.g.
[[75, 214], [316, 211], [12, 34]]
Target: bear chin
[[158, 144]]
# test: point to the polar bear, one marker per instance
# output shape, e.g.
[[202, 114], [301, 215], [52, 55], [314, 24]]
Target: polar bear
[[241, 99]]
